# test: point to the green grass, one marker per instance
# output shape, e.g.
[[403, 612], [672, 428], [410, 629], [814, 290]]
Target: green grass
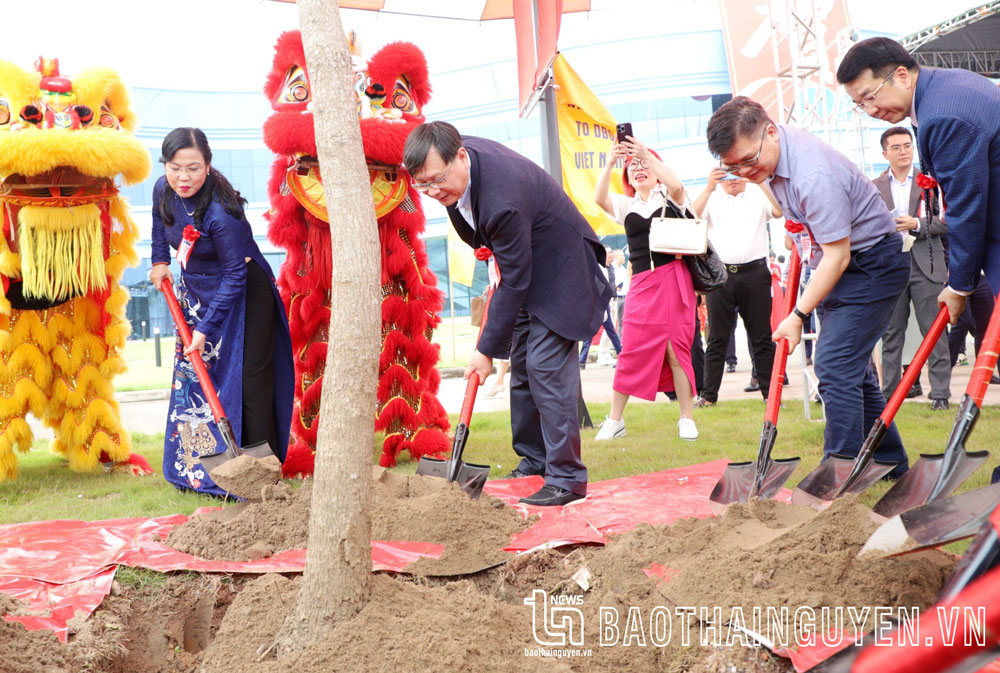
[[46, 489], [455, 352], [143, 374]]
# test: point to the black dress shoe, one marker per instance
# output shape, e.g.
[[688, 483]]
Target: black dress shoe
[[548, 496], [939, 405], [517, 474], [915, 391], [753, 386], [994, 379], [730, 368]]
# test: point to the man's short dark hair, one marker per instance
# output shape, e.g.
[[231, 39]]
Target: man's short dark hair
[[739, 117], [894, 131], [444, 137], [881, 54]]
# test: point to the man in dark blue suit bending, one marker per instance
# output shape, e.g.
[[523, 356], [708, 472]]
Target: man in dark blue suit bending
[[552, 293], [956, 115]]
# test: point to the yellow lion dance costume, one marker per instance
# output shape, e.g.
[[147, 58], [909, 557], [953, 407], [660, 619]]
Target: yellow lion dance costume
[[67, 238]]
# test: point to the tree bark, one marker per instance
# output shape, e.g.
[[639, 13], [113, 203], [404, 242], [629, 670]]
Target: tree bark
[[337, 578]]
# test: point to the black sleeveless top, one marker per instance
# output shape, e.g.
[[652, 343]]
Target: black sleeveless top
[[637, 232]]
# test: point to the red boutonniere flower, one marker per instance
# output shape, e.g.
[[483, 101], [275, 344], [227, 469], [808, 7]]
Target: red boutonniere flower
[[483, 254], [793, 227], [925, 181], [191, 234]]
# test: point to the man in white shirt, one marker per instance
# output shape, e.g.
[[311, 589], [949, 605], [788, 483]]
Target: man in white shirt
[[928, 271], [737, 228]]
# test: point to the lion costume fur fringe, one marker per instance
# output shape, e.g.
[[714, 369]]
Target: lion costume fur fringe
[[67, 239], [390, 94]]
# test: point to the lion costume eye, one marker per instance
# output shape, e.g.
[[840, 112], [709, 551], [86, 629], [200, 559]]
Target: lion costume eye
[[296, 88], [4, 112], [108, 119], [401, 99]]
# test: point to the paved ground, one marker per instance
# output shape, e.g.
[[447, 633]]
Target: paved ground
[[146, 411]]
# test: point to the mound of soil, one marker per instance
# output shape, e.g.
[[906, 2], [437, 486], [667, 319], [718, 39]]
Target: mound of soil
[[760, 554], [415, 508]]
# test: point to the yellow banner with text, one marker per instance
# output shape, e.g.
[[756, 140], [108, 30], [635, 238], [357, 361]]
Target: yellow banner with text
[[586, 133]]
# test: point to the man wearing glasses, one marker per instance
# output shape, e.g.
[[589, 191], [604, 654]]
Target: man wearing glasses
[[928, 271], [956, 115], [552, 292], [858, 272]]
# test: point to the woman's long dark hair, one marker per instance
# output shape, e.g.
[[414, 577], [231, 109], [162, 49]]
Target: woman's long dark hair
[[216, 185]]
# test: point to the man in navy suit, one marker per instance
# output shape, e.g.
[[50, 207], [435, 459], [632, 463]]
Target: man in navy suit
[[956, 115], [552, 292]]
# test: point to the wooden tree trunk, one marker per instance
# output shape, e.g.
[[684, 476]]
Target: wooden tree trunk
[[337, 579]]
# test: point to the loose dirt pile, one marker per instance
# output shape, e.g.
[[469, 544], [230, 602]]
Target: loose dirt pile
[[415, 508], [762, 554]]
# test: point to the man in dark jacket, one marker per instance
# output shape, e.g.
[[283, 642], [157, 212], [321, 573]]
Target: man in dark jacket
[[552, 292]]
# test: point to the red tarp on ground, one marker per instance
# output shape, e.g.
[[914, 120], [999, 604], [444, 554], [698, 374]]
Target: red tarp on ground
[[68, 566]]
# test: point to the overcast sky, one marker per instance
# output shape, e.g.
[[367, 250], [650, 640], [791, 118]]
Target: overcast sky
[[227, 44]]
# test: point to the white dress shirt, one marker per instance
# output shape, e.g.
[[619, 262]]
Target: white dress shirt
[[737, 225]]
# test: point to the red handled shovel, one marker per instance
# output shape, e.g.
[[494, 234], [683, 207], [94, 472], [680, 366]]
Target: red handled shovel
[[764, 477], [936, 476], [838, 474], [470, 477], [211, 461]]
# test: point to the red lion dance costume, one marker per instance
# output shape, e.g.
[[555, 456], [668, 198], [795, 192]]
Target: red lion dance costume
[[67, 238], [390, 95]]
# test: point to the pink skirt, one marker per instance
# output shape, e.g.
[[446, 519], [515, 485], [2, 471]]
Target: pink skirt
[[659, 310]]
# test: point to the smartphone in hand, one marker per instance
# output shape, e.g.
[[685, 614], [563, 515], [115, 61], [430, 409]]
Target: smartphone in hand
[[624, 130]]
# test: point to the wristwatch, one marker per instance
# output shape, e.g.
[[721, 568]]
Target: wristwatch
[[804, 317]]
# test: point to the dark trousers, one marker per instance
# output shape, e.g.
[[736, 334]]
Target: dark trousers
[[609, 327], [749, 292], [544, 421], [731, 358], [258, 360], [855, 315], [976, 317], [922, 292]]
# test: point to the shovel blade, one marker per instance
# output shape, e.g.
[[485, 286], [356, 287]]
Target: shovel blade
[[735, 484], [916, 485], [212, 461], [258, 450], [737, 481], [432, 467], [912, 489], [934, 524], [471, 477], [826, 482], [965, 464], [823, 482]]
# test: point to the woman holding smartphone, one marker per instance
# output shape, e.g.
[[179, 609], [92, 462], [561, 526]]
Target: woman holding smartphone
[[659, 317]]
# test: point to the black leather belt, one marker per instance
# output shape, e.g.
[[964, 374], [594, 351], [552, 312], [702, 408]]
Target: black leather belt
[[739, 268]]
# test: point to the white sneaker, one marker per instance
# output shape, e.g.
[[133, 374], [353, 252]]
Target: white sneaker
[[687, 429], [611, 429], [605, 361]]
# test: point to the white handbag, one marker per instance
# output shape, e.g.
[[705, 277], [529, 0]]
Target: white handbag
[[677, 236]]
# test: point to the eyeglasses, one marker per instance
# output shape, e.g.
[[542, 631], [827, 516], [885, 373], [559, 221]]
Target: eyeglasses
[[424, 186], [636, 164], [870, 98], [193, 169], [900, 148], [749, 163]]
